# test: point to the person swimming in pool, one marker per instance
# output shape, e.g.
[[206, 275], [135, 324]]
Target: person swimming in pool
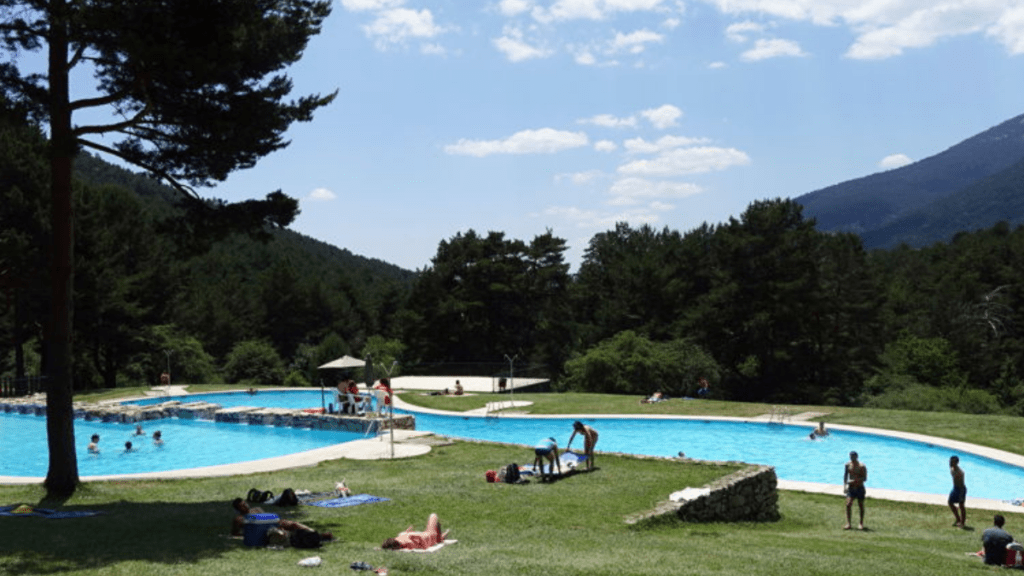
[[855, 474], [138, 430], [158, 438], [546, 448], [94, 445]]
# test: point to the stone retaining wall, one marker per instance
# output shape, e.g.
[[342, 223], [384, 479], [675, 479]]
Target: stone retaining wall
[[131, 414], [748, 495]]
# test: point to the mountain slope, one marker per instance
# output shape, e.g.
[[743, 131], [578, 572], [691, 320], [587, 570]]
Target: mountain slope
[[878, 200], [977, 206]]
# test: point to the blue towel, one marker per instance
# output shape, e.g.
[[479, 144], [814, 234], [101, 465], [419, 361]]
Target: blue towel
[[46, 513], [350, 501]]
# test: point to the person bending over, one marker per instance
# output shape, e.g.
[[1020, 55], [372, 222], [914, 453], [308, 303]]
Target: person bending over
[[589, 440], [546, 448]]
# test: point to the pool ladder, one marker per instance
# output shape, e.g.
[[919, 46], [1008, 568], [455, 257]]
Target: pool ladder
[[778, 415]]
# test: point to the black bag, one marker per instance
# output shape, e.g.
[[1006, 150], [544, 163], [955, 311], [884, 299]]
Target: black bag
[[287, 498], [305, 539], [512, 473]]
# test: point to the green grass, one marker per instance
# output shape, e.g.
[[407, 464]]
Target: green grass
[[569, 527]]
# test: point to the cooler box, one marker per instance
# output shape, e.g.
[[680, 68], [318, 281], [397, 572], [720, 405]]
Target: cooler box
[[1014, 555], [256, 527]]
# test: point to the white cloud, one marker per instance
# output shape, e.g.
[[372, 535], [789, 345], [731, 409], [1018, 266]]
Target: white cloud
[[609, 121], [629, 191], [433, 49], [580, 178], [680, 161], [514, 7], [1009, 30], [562, 10], [717, 65], [885, 28], [397, 25], [772, 48], [894, 161], [370, 5], [542, 141], [321, 195], [593, 219], [641, 146], [671, 23], [585, 58], [605, 146], [515, 48], [663, 117], [634, 42], [738, 32]]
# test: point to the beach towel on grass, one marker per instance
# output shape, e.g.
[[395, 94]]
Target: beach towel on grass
[[350, 501], [27, 510], [433, 548], [570, 462]]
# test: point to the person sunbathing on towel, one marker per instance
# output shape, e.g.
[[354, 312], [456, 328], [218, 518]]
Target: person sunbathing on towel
[[411, 540], [243, 509]]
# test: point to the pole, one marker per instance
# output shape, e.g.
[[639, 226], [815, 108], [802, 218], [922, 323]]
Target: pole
[[511, 380]]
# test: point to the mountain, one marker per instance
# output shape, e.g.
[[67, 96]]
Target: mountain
[[970, 185], [305, 252]]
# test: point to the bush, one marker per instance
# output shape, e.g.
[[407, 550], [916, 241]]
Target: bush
[[929, 399], [628, 363], [254, 362]]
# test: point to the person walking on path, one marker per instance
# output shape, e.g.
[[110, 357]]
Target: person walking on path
[[589, 440], [958, 496], [855, 474]]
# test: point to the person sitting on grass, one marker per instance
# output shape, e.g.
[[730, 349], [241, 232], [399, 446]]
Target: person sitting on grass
[[243, 509], [411, 540], [546, 448]]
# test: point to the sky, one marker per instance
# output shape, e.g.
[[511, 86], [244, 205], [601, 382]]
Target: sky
[[523, 116]]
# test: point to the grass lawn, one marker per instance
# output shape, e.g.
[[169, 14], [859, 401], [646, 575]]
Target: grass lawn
[[572, 526]]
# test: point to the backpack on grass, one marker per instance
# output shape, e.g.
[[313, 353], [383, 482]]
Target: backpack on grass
[[305, 539], [512, 473]]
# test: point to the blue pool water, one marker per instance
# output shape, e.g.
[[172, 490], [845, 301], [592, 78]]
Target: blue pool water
[[892, 463]]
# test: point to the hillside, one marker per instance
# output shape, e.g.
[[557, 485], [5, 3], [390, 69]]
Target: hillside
[[881, 200], [302, 251], [977, 206]]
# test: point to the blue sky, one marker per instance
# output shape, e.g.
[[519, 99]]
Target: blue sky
[[521, 116]]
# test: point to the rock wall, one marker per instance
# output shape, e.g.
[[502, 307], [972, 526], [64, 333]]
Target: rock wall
[[747, 495]]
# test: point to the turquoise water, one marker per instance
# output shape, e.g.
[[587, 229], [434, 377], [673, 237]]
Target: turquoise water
[[187, 444], [892, 463]]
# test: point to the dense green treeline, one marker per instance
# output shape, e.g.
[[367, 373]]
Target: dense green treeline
[[764, 306]]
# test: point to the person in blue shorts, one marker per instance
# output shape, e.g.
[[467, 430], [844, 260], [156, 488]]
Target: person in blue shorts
[[546, 448], [855, 475], [958, 496]]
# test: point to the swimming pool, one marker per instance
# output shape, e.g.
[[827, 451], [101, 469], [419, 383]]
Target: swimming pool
[[893, 463], [187, 444]]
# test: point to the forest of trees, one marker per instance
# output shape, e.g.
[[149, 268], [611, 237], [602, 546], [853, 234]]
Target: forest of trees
[[765, 306]]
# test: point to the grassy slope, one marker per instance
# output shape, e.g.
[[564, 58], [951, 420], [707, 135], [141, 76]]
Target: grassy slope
[[573, 526]]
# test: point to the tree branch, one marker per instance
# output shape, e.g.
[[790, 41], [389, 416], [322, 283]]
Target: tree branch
[[174, 183], [116, 127], [101, 101]]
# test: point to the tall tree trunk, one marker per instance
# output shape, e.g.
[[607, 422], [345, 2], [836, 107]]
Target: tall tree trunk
[[62, 476]]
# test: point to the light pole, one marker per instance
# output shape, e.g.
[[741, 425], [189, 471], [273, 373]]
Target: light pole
[[168, 354], [511, 380]]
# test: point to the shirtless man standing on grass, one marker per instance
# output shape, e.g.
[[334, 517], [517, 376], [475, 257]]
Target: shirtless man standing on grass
[[958, 496], [854, 476]]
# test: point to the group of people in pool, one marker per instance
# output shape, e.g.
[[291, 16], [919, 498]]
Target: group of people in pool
[[94, 443]]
